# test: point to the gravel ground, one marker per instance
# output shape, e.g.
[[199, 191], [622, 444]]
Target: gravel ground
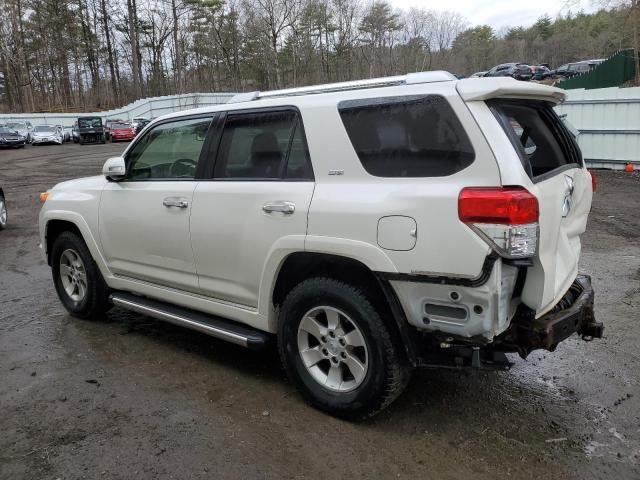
[[130, 397]]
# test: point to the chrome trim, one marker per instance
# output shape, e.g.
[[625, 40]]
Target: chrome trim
[[181, 321], [280, 206], [169, 202]]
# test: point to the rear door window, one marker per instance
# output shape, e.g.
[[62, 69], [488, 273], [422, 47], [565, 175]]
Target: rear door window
[[407, 136], [266, 145], [539, 135]]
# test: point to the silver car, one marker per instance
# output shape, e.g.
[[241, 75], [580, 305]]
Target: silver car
[[47, 134], [23, 128]]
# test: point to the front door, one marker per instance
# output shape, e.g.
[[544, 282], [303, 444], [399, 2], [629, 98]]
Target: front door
[[144, 219], [254, 206]]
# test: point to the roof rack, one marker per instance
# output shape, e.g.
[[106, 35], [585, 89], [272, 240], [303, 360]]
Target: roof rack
[[409, 79]]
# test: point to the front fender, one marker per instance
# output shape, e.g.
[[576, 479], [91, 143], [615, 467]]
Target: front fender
[[46, 217]]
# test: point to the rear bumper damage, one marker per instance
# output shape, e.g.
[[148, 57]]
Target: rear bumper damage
[[573, 314]]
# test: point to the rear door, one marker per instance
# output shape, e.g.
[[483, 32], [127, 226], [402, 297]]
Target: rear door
[[562, 185], [254, 206]]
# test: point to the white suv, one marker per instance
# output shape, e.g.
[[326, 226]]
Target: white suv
[[371, 227]]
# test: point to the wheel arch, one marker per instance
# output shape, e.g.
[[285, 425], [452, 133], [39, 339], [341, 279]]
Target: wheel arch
[[53, 230], [299, 266], [57, 222]]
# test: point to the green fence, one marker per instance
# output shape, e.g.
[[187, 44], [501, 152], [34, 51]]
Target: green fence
[[613, 72]]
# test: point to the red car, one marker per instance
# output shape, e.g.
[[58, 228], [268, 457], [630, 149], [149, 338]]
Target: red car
[[122, 132]]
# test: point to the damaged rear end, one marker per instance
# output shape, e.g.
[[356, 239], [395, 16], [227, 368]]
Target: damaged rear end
[[535, 218]]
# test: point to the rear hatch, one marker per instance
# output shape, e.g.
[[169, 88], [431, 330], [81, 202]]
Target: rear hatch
[[554, 173]]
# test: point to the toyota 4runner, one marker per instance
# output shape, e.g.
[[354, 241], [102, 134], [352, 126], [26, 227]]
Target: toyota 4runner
[[371, 227]]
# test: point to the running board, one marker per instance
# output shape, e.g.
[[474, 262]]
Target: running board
[[215, 326]]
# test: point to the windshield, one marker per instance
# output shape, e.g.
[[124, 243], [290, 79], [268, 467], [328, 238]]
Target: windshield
[[89, 122], [44, 128], [119, 126], [15, 125], [6, 130]]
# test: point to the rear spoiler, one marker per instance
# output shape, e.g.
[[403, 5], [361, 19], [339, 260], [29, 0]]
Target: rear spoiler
[[473, 89]]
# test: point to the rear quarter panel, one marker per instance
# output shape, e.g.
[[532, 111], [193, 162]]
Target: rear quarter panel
[[349, 206]]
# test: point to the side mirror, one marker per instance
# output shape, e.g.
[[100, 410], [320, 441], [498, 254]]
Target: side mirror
[[114, 169]]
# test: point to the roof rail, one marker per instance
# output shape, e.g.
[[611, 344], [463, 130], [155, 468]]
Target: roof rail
[[409, 79]]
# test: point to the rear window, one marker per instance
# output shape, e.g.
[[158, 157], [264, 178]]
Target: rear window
[[407, 136], [540, 137]]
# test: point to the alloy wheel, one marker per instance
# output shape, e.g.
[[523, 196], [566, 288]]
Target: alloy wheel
[[3, 213], [73, 275], [333, 349]]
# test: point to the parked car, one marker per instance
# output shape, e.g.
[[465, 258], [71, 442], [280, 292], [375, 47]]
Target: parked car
[[121, 132], [65, 133], [519, 71], [43, 134], [569, 70], [140, 125], [478, 74], [538, 71], [75, 132], [90, 130], [107, 126], [3, 211], [11, 138], [23, 128], [136, 121], [334, 208]]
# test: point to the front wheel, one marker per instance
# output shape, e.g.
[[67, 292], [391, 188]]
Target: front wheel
[[3, 213], [338, 351], [77, 279]]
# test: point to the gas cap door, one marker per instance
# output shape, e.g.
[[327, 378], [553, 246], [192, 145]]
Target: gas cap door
[[397, 232]]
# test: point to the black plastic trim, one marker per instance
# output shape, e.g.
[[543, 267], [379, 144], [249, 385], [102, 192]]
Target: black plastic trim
[[408, 337], [481, 279]]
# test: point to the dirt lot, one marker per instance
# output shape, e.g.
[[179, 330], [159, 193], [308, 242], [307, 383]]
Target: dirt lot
[[133, 398]]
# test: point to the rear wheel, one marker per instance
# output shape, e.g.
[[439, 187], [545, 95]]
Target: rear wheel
[[77, 279], [338, 351]]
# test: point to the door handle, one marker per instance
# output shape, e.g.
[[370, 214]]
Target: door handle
[[174, 202], [283, 207]]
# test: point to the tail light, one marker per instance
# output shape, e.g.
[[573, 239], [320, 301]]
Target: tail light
[[505, 217], [594, 182]]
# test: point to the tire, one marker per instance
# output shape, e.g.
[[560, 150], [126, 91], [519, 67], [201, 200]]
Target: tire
[[92, 297], [4, 217], [350, 394]]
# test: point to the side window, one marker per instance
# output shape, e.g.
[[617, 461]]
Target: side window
[[298, 165], [169, 151], [267, 145], [407, 136], [538, 134]]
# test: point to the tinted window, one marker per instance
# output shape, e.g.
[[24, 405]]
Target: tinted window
[[261, 145], [542, 140], [168, 151], [409, 137], [89, 122]]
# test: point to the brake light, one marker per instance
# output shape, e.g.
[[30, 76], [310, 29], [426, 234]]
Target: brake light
[[505, 217], [594, 182]]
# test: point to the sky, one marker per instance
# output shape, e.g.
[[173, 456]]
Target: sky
[[499, 13]]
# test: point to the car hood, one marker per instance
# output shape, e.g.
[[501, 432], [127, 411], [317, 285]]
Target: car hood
[[78, 184]]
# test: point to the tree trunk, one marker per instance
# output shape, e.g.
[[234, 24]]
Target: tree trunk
[[107, 34], [133, 39]]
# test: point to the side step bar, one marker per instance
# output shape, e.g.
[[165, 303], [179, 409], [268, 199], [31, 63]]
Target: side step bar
[[215, 326]]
